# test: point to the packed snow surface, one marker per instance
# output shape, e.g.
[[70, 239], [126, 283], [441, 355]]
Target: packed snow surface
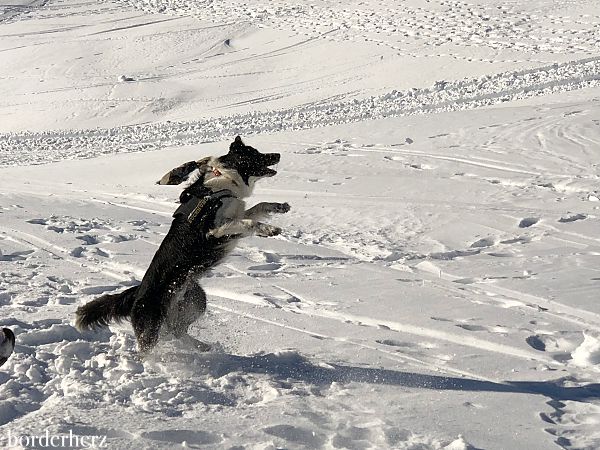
[[436, 283]]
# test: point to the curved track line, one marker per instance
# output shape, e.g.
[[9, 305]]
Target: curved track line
[[126, 206], [470, 162]]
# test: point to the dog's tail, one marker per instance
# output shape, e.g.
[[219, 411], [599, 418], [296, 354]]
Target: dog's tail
[[106, 309]]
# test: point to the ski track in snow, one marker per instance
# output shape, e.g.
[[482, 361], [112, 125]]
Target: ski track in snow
[[43, 147]]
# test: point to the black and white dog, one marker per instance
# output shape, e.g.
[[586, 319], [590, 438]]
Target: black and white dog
[[205, 228]]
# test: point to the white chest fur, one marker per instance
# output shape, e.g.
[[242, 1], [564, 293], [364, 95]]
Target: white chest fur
[[232, 210]]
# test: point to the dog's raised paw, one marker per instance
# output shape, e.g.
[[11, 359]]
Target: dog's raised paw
[[281, 208], [262, 229]]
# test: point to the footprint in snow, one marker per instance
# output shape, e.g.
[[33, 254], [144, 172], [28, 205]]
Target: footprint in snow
[[70, 224], [572, 218], [143, 225], [559, 345], [88, 239], [296, 435], [125, 79], [492, 329], [536, 343], [116, 238], [77, 252], [517, 240], [80, 252], [485, 242], [395, 343], [528, 222], [471, 327]]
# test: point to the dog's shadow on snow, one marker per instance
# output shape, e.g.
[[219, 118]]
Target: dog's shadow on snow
[[291, 366]]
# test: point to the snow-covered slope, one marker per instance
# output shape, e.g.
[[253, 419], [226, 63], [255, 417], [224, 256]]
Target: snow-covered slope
[[436, 283]]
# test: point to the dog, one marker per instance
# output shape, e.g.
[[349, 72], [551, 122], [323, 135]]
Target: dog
[[205, 228]]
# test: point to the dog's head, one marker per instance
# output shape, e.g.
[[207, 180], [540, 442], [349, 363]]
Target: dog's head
[[237, 171], [248, 162]]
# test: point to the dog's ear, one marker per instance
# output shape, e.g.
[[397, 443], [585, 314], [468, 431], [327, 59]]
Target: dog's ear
[[237, 144], [179, 174]]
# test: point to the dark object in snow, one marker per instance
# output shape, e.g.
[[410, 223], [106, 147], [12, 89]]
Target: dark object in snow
[[7, 344], [528, 222], [124, 79], [572, 218]]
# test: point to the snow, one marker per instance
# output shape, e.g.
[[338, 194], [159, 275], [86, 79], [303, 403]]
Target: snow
[[435, 286], [588, 353]]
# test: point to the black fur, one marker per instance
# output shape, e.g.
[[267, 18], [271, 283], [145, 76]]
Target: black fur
[[7, 344], [106, 309], [185, 253], [248, 161], [169, 296]]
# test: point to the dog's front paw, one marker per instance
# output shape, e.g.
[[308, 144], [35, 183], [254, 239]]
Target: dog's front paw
[[280, 208], [262, 229]]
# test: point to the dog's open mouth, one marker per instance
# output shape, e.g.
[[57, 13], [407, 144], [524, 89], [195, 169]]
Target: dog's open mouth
[[272, 159], [270, 172]]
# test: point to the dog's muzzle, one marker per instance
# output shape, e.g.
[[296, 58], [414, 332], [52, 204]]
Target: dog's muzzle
[[271, 159]]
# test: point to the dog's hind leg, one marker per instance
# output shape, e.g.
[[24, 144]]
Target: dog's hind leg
[[187, 307], [147, 319]]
